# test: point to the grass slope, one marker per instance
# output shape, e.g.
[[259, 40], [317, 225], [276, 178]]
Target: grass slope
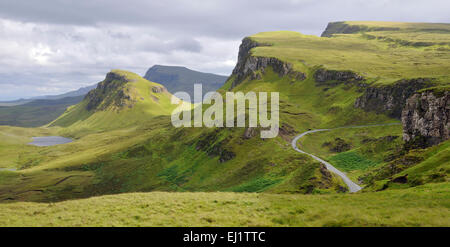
[[379, 54], [377, 157], [155, 157], [135, 149], [420, 206], [14, 151], [142, 104]]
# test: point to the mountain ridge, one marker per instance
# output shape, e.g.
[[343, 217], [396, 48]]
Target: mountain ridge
[[122, 99], [120, 147], [75, 93], [179, 78]]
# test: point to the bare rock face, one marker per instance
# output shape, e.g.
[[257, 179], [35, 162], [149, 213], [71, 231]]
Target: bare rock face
[[323, 75], [248, 66], [110, 93], [426, 118], [157, 89], [342, 27], [250, 132], [390, 99]]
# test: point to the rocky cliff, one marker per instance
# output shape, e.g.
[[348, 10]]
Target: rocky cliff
[[346, 28], [111, 92], [249, 66], [336, 76], [390, 99], [426, 118]]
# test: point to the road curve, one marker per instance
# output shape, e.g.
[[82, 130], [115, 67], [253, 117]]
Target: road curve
[[352, 187]]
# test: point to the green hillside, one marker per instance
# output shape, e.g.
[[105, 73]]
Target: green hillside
[[420, 206], [381, 52], [124, 141], [127, 143], [122, 99], [338, 70], [377, 157]]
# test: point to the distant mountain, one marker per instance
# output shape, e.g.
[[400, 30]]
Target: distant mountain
[[79, 92], [176, 78], [122, 99], [350, 84], [37, 112], [15, 102]]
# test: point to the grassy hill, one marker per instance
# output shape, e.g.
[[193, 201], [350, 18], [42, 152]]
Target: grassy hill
[[421, 206], [125, 142], [352, 60], [381, 52], [376, 156], [122, 99]]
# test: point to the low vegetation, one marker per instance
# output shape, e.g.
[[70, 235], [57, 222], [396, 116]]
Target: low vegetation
[[427, 205], [372, 49], [124, 143]]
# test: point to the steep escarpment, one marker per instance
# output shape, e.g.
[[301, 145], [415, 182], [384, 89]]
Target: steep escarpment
[[111, 92], [390, 99], [249, 66], [341, 27], [336, 76], [426, 118], [123, 98]]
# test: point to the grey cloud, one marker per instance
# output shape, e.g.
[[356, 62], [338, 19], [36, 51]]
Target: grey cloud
[[160, 45], [59, 45], [186, 44], [231, 18]]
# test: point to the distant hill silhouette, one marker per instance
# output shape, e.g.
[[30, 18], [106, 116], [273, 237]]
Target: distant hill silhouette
[[177, 78]]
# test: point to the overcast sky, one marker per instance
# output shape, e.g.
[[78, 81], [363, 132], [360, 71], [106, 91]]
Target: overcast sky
[[51, 47]]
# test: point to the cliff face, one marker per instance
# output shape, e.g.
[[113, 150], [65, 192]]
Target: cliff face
[[111, 92], [346, 28], [325, 75], [426, 118], [390, 99], [248, 65]]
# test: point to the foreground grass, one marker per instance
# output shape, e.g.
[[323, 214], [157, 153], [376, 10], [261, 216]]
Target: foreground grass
[[427, 205]]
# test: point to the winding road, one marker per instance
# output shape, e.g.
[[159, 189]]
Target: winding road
[[353, 187]]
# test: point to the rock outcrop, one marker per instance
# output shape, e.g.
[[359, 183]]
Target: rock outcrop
[[324, 75], [159, 89], [248, 66], [426, 118], [250, 132], [111, 92], [347, 28], [390, 99]]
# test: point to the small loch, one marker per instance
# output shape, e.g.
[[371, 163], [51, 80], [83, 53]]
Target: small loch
[[46, 141]]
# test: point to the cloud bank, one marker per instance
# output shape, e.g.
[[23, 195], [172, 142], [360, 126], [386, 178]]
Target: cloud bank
[[50, 47]]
